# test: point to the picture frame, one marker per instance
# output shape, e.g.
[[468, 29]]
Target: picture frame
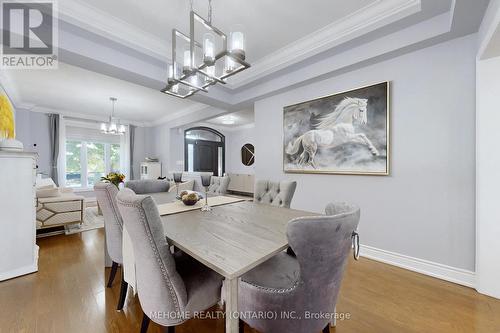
[[342, 133]]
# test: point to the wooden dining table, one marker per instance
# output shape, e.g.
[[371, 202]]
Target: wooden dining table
[[231, 239]]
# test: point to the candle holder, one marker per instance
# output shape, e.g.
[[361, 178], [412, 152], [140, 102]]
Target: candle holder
[[205, 181], [177, 181]]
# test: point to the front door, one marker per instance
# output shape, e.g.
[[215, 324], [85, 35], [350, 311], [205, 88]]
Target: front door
[[205, 156], [204, 151]]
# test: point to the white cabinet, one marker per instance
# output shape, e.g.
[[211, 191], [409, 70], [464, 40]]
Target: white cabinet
[[19, 252], [243, 183], [150, 170]]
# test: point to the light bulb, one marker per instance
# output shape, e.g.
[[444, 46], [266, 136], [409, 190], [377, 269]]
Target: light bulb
[[104, 128]]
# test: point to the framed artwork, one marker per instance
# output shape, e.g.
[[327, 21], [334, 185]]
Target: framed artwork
[[344, 133]]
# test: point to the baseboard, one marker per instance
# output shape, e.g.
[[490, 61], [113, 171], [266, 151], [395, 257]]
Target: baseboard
[[452, 274], [19, 271], [22, 270]]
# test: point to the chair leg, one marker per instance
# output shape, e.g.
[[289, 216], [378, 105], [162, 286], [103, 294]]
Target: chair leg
[[123, 293], [241, 326], [112, 274], [327, 328], [145, 323], [171, 329]]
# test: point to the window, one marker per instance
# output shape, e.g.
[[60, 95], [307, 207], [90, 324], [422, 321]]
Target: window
[[87, 162], [114, 158], [73, 164]]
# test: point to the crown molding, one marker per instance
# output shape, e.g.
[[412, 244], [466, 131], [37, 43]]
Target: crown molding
[[227, 128], [94, 20], [364, 20], [46, 110]]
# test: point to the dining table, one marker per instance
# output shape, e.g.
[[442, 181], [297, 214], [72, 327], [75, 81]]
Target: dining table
[[235, 236]]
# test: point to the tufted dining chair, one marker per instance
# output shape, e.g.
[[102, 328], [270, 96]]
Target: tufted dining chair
[[146, 186], [274, 193], [171, 284], [218, 185], [113, 228], [308, 282]]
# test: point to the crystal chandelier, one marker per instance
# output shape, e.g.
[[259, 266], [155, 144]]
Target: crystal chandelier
[[113, 127], [207, 63]]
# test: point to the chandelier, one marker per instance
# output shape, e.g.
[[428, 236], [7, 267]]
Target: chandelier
[[205, 63], [112, 126]]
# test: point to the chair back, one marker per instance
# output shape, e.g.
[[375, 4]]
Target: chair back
[[218, 185], [322, 245], [159, 285], [145, 186], [274, 193], [113, 224]]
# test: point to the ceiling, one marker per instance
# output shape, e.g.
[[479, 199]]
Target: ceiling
[[120, 48], [279, 22], [85, 92], [235, 119]]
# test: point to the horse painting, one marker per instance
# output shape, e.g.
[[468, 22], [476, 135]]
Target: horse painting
[[340, 135]]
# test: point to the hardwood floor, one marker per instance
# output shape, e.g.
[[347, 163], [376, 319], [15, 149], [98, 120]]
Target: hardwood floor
[[68, 294]]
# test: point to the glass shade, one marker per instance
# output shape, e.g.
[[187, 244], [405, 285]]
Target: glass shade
[[209, 49], [113, 128], [210, 70], [195, 80], [171, 73], [186, 65], [237, 42], [175, 88], [205, 180], [104, 128], [177, 177], [230, 65], [121, 129]]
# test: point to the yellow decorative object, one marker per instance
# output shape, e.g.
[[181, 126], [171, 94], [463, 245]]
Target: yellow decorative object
[[6, 118]]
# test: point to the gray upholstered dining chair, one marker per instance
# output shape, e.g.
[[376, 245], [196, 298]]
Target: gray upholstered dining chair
[[172, 284], [308, 282], [146, 186], [274, 193], [113, 228], [218, 185]]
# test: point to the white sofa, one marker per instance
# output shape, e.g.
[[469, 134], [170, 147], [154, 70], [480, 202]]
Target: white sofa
[[57, 206]]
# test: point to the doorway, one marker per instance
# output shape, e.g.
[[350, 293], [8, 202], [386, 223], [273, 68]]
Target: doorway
[[204, 150]]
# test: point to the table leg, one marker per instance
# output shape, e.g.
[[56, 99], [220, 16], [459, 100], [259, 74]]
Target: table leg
[[232, 320]]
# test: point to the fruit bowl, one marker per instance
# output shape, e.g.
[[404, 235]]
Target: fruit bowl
[[190, 199]]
